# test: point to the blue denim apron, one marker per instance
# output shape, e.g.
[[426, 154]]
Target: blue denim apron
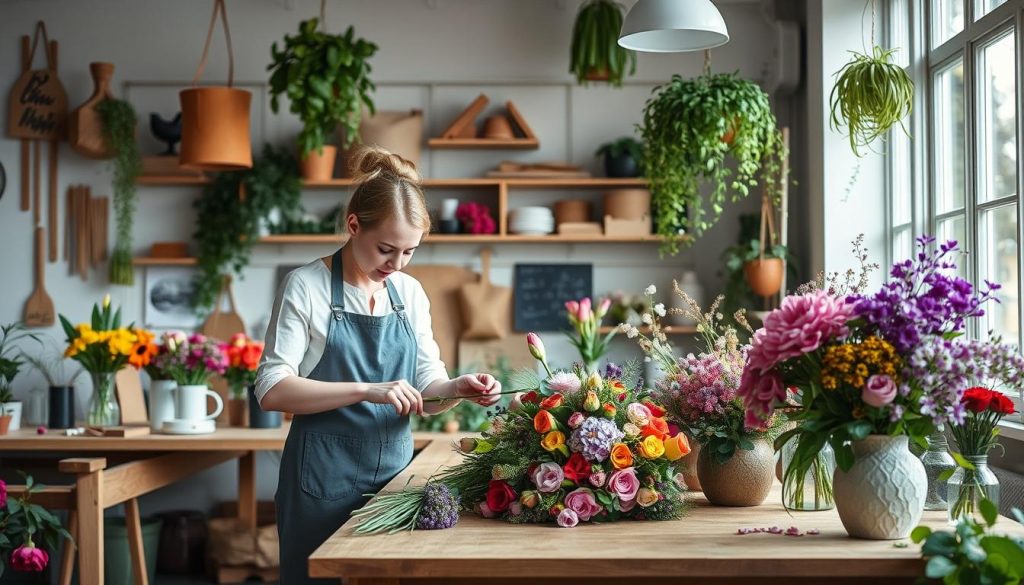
[[332, 458]]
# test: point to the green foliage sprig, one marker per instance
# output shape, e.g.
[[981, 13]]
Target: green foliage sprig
[[118, 119], [595, 43], [10, 362], [870, 96], [971, 554], [327, 80], [690, 128], [23, 523], [227, 227]]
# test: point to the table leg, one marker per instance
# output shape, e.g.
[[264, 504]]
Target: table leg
[[67, 562], [133, 522], [247, 490], [89, 501]]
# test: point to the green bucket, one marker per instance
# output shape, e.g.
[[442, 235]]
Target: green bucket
[[116, 558]]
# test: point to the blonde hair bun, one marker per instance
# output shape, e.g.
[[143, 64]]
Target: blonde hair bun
[[369, 162]]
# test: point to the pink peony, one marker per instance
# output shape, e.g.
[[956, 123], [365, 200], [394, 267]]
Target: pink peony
[[800, 325], [879, 391], [29, 558], [564, 382], [567, 518], [548, 477], [624, 484], [582, 502], [760, 392]]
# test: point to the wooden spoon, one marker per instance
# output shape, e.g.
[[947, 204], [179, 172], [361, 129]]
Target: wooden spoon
[[39, 308]]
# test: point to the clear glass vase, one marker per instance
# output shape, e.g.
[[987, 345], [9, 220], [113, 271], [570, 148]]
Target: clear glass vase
[[813, 491], [937, 460], [967, 487], [103, 409]]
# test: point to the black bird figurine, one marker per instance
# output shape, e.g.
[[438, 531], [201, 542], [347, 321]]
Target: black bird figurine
[[167, 131]]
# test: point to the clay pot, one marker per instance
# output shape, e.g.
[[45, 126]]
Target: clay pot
[[627, 203], [319, 166], [498, 128], [744, 480], [238, 409], [572, 210], [764, 276], [215, 128], [451, 426], [5, 424], [597, 75]]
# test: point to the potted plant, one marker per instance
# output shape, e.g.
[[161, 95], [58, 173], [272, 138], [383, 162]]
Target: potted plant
[[680, 157], [243, 356], [118, 118], [327, 81], [595, 54], [56, 409], [10, 364], [622, 157], [871, 95], [6, 396]]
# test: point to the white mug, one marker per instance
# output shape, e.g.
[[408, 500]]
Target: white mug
[[448, 208], [190, 403]]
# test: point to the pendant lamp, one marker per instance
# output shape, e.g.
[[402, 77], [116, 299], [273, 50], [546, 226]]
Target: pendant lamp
[[672, 26]]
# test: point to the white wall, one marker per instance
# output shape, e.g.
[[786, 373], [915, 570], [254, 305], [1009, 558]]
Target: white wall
[[434, 54]]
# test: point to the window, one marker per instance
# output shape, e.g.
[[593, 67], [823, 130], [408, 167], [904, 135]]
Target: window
[[959, 177]]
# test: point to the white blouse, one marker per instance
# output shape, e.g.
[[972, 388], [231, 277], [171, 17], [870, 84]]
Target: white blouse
[[297, 333]]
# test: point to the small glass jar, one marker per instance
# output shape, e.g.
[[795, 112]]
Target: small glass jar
[[103, 409], [967, 487], [937, 461], [814, 490]]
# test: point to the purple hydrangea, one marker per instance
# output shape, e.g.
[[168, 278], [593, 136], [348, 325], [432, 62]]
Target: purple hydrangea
[[440, 507], [595, 437], [923, 298]]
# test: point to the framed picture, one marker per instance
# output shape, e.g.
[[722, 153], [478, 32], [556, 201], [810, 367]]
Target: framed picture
[[170, 298]]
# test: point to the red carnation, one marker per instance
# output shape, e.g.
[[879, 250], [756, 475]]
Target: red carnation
[[977, 399], [1002, 404], [577, 468], [500, 495], [530, 396]]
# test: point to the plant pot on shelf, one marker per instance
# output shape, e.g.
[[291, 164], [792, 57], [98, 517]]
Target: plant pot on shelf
[[319, 166], [743, 480], [623, 166], [5, 424], [765, 275], [627, 203], [14, 410]]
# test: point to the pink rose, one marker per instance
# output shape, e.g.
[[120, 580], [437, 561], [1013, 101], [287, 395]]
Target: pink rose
[[597, 478], [627, 505], [624, 484], [879, 391], [28, 558], [582, 502], [567, 518], [484, 510], [576, 419], [548, 477], [564, 382], [638, 414]]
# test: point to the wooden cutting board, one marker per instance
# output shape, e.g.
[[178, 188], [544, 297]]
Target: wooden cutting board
[[222, 324], [442, 284]]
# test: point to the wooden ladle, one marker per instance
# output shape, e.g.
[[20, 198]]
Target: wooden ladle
[[39, 307]]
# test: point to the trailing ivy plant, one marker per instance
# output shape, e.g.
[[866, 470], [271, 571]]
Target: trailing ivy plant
[[716, 129], [871, 95], [595, 51], [118, 119], [227, 225], [327, 81]]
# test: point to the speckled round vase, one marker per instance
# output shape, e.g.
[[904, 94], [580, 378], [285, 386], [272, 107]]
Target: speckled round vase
[[744, 480], [882, 496]]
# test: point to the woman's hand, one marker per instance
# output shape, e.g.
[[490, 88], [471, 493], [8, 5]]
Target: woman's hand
[[480, 388], [399, 394]]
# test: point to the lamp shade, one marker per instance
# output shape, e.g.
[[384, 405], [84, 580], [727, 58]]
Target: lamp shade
[[671, 26]]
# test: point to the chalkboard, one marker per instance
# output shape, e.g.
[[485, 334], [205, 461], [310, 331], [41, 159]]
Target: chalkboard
[[541, 291]]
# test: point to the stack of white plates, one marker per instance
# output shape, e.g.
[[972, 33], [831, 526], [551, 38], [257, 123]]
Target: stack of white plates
[[531, 221]]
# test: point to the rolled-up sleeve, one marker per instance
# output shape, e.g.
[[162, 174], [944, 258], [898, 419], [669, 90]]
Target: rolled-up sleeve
[[287, 338], [429, 367]]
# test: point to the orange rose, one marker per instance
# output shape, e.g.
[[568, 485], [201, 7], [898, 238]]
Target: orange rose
[[553, 401], [543, 422], [656, 428], [677, 447], [621, 457]]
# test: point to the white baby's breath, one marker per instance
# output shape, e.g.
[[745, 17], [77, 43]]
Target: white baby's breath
[[650, 290], [659, 309]]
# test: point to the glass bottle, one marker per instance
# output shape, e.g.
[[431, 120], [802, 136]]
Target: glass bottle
[[967, 487], [814, 490], [936, 460]]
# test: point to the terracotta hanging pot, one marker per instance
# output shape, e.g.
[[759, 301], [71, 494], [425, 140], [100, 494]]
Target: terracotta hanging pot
[[597, 75], [765, 275], [215, 120], [319, 166]]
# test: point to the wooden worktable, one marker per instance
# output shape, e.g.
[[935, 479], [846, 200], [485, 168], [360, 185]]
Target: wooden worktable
[[701, 548]]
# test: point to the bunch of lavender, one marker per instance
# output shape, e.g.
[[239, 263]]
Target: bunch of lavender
[[440, 507], [430, 507], [923, 298]]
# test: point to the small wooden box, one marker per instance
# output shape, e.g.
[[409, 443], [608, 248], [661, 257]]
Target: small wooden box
[[579, 228], [627, 227]]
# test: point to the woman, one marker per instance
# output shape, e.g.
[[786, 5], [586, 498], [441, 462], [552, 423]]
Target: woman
[[350, 351]]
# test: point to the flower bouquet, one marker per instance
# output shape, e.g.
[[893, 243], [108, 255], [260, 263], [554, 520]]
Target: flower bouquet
[[887, 366], [586, 322], [103, 347], [24, 526], [168, 354], [202, 358], [577, 447], [243, 355]]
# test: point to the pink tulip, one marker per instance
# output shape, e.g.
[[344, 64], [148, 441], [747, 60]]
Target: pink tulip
[[536, 346], [602, 309], [584, 312], [573, 308]]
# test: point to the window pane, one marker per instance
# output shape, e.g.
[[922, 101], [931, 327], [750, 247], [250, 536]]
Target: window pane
[[902, 244], [899, 31], [947, 18], [954, 228], [983, 7], [997, 234], [900, 164], [997, 119], [948, 143]]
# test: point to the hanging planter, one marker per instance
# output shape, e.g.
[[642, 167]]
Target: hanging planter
[[215, 120], [764, 272], [871, 95], [595, 54], [118, 120]]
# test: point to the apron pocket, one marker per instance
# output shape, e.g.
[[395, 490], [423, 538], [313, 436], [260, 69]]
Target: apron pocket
[[330, 465]]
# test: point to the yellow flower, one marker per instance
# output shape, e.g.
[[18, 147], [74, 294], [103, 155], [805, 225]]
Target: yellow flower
[[554, 441], [106, 301], [651, 447]]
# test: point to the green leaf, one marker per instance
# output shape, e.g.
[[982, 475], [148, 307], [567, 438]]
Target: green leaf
[[939, 567], [961, 461], [920, 533], [989, 511], [939, 544], [1007, 549]]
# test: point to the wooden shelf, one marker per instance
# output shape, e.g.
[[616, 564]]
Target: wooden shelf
[[472, 239], [147, 261], [170, 181], [458, 183], [646, 330], [484, 143]]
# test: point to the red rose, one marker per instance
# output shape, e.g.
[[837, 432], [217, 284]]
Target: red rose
[[1002, 404], [500, 495], [654, 408], [977, 399], [530, 396], [577, 468], [553, 401]]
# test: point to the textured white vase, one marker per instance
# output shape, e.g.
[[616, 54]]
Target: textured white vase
[[882, 496]]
